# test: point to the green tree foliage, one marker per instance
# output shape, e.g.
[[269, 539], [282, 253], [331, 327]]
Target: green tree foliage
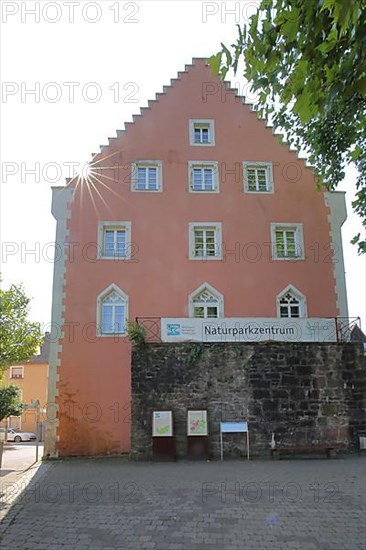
[[136, 333], [10, 403], [306, 62], [19, 338]]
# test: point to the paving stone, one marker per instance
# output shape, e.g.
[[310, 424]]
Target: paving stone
[[300, 505]]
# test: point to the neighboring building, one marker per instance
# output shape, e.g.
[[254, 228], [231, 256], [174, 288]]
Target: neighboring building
[[32, 379], [194, 210], [358, 336]]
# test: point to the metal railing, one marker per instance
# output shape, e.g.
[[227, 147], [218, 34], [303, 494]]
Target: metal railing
[[152, 326], [348, 329]]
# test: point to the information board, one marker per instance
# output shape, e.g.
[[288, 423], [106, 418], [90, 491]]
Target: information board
[[197, 423], [232, 428], [162, 424]]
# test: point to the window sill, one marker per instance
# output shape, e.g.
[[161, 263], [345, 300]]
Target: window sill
[[205, 258], [114, 335], [288, 259], [204, 191], [146, 190], [115, 258], [267, 192], [202, 144]]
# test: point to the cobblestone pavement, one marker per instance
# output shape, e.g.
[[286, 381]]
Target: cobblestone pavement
[[95, 504]]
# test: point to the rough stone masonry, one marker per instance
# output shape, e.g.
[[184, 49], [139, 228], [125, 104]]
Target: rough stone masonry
[[303, 393]]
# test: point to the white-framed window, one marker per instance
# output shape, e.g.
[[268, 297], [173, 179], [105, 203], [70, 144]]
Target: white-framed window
[[203, 177], [287, 241], [205, 241], [17, 372], [202, 132], [206, 302], [291, 303], [146, 175], [258, 177], [112, 311], [114, 240]]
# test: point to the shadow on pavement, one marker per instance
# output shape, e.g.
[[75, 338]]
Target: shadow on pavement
[[13, 492], [4, 472]]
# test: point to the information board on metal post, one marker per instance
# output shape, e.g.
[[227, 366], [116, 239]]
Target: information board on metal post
[[233, 427]]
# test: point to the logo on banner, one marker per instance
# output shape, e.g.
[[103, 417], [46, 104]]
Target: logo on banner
[[173, 329]]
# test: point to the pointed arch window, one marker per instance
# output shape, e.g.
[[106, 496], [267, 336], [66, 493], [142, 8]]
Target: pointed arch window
[[112, 312], [206, 302], [291, 303]]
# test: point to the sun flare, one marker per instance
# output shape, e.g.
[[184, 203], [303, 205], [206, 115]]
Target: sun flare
[[96, 178]]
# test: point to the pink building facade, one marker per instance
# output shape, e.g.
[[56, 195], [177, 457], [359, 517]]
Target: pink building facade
[[194, 210]]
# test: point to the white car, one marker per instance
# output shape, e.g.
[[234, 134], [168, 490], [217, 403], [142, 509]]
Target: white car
[[13, 435]]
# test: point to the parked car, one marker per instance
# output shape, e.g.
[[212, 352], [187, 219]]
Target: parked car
[[16, 436]]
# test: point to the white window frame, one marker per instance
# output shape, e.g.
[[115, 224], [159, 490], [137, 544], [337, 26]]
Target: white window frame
[[17, 377], [217, 227], [146, 164], [114, 226], [303, 309], [299, 240], [210, 123], [192, 164], [100, 298], [269, 176], [214, 292]]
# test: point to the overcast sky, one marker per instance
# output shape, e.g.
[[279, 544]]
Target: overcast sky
[[74, 72]]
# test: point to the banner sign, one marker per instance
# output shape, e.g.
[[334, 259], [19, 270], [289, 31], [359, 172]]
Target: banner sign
[[256, 329], [162, 423], [197, 423]]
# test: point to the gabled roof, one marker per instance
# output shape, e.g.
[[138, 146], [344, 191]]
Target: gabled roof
[[197, 63], [357, 335], [44, 354]]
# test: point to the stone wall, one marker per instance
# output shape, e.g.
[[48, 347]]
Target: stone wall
[[303, 393]]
